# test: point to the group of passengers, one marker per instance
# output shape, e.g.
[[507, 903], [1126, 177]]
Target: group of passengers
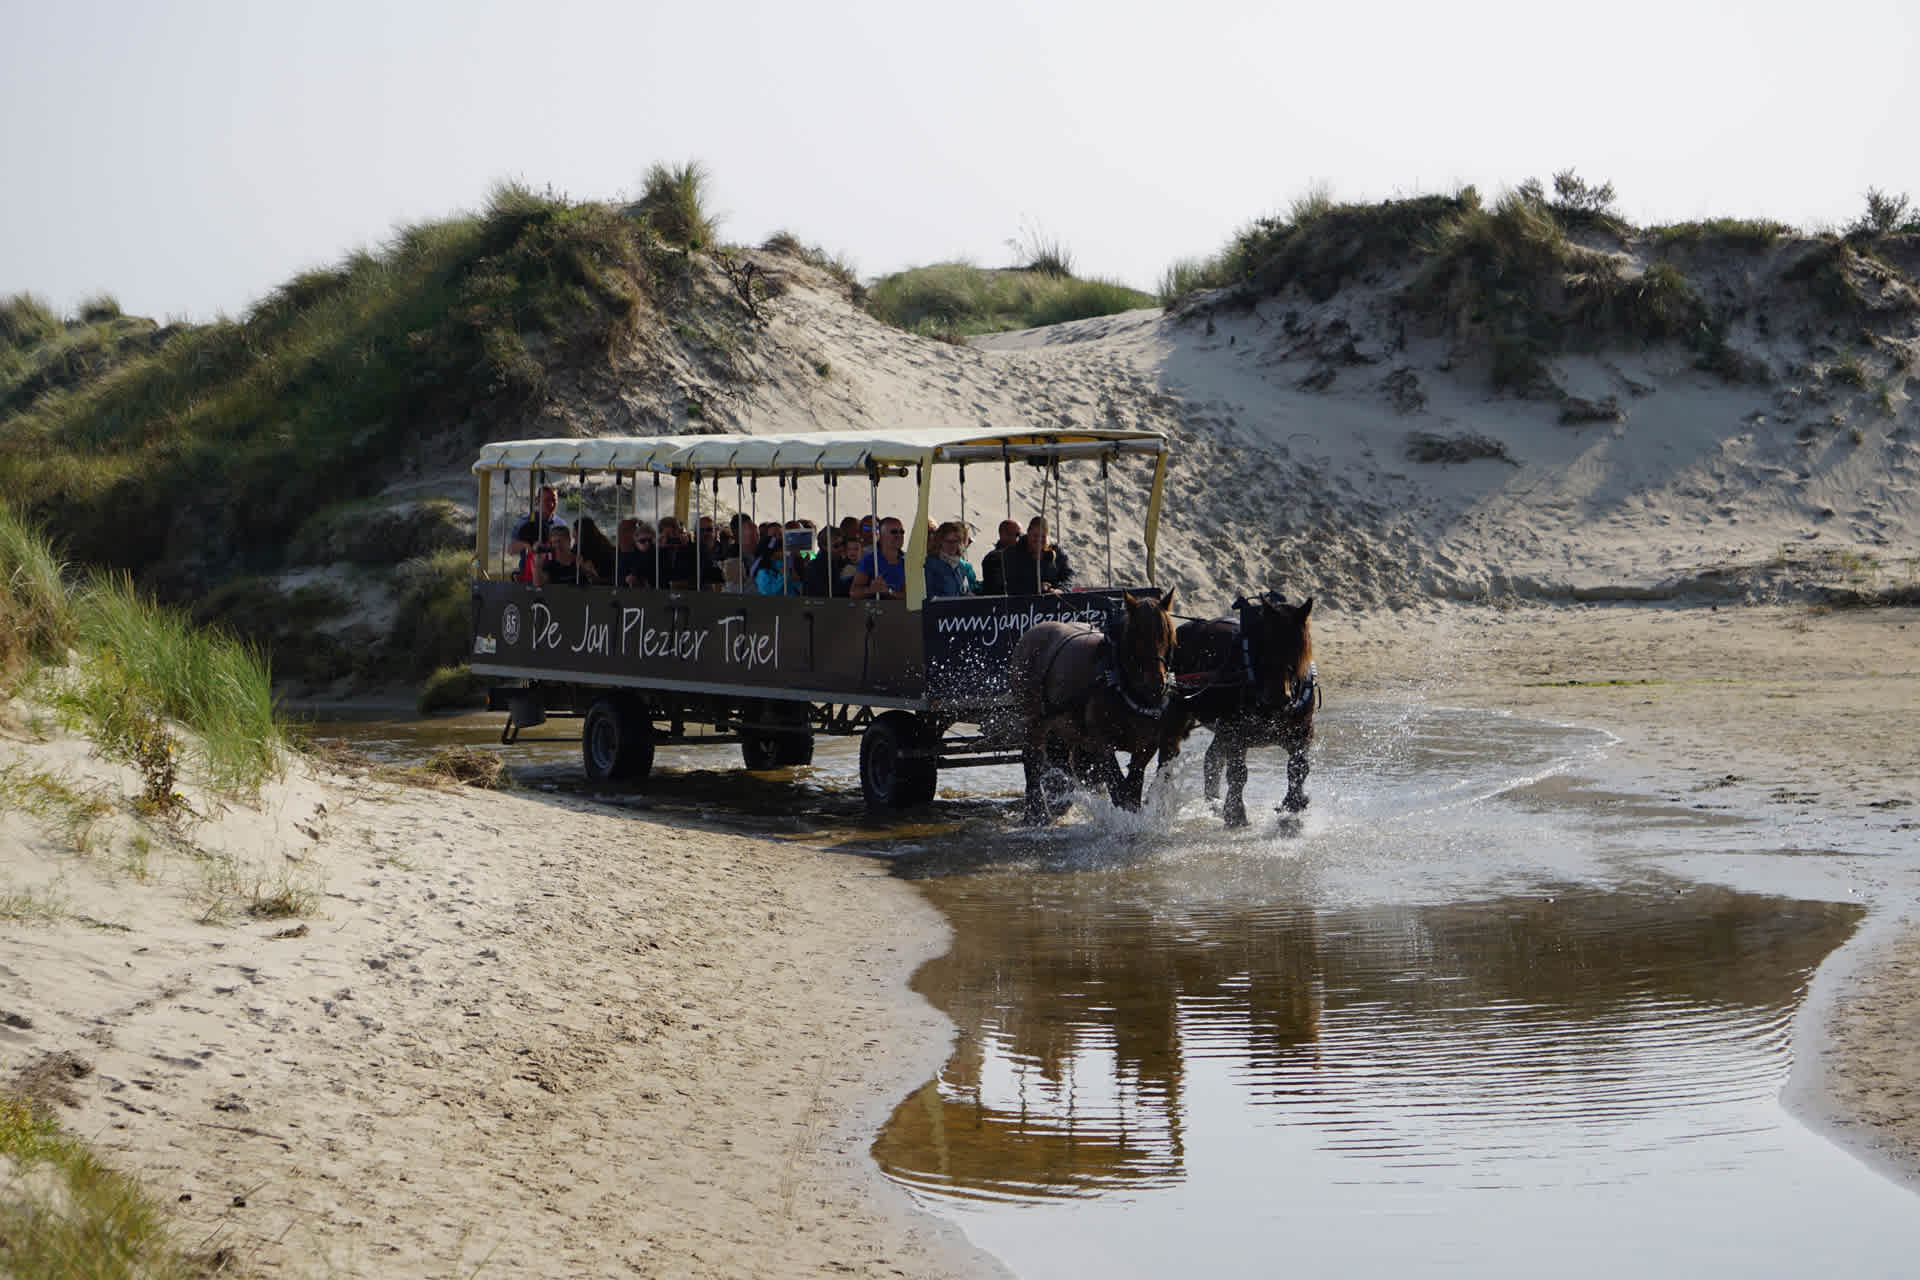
[[1019, 564], [860, 559]]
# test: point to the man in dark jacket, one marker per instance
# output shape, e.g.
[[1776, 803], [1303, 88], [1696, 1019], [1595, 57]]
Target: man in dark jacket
[[529, 541], [993, 571], [1032, 566]]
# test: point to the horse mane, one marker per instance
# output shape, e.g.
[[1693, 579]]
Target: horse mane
[[1283, 627], [1161, 620], [1305, 661], [1147, 632]]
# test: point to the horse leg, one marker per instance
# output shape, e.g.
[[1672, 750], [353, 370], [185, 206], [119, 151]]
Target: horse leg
[[1116, 781], [1036, 763], [1216, 756], [1127, 791], [1296, 781], [1234, 811]]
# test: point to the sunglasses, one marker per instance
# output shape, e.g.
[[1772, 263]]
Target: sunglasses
[[643, 542]]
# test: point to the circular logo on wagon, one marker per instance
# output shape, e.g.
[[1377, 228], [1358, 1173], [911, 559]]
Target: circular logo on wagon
[[510, 624]]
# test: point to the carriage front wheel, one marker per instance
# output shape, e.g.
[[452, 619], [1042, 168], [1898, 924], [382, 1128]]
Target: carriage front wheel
[[898, 769], [616, 742], [785, 748]]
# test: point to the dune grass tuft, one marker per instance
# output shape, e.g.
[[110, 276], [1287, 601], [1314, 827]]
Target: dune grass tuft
[[1751, 234], [835, 265], [66, 1213], [1318, 246], [140, 662], [673, 200], [36, 621], [25, 319], [203, 679], [953, 300]]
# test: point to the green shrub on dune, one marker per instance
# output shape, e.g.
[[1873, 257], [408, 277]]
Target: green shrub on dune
[[954, 300], [214, 445]]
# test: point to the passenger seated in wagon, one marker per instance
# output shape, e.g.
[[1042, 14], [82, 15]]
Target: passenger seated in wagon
[[882, 572], [681, 560], [1033, 566], [948, 573], [562, 566], [633, 564], [993, 573], [597, 548]]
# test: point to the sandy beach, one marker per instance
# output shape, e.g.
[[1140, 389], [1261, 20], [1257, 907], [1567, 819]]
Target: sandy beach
[[524, 1034]]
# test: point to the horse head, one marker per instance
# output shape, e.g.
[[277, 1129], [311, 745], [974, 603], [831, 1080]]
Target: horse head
[[1146, 643], [1283, 652]]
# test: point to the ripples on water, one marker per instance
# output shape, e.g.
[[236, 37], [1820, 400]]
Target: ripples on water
[[1454, 1024]]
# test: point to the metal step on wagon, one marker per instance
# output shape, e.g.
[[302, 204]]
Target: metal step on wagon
[[689, 652]]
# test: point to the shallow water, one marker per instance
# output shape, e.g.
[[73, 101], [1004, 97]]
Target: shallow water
[[1466, 1019]]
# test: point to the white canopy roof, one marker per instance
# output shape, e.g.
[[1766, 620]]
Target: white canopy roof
[[810, 451]]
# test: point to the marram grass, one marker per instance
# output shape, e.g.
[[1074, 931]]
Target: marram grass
[[135, 652], [958, 300], [65, 1213], [202, 678]]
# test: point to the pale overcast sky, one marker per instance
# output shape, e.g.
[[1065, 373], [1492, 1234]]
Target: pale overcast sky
[[187, 157]]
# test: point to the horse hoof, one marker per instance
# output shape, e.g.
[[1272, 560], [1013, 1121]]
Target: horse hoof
[[1289, 825]]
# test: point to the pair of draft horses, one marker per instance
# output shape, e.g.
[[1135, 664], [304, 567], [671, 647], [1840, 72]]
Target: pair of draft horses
[[1143, 685]]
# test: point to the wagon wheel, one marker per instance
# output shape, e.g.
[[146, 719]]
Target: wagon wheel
[[616, 742], [778, 749], [891, 777]]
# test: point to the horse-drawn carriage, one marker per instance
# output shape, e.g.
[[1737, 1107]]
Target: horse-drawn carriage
[[1057, 681], [922, 680]]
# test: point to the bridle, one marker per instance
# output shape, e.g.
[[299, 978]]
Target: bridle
[[1115, 676], [1298, 693]]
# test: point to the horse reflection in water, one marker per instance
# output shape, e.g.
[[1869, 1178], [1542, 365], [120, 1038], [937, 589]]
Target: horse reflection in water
[[1084, 694], [1252, 682]]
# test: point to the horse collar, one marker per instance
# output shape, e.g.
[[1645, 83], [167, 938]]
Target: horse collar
[[1115, 678], [1304, 692]]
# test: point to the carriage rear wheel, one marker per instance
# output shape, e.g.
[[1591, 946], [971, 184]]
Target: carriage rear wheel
[[894, 772], [616, 742]]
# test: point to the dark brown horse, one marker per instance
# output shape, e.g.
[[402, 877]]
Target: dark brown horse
[[1252, 682], [1084, 694]]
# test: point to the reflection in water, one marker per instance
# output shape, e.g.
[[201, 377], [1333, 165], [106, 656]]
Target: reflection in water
[[1405, 1035], [1461, 1023]]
